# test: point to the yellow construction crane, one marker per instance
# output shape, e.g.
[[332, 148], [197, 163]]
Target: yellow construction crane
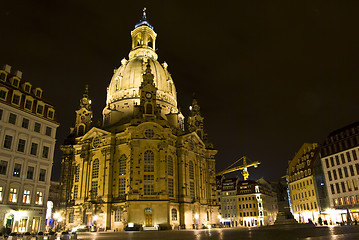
[[242, 167]]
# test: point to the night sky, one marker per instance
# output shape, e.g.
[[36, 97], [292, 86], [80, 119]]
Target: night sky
[[268, 75]]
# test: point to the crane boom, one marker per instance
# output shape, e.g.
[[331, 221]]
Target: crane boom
[[242, 167]]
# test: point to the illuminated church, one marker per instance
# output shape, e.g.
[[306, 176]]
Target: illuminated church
[[145, 166]]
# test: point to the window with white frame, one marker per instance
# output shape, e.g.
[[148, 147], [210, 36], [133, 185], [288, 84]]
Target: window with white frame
[[13, 195], [26, 198], [39, 198]]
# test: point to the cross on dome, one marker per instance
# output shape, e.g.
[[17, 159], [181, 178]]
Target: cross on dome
[[143, 20]]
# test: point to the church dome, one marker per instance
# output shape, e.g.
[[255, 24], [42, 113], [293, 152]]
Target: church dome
[[123, 92], [127, 79]]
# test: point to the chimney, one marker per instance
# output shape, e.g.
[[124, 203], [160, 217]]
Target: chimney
[[7, 68], [18, 74]]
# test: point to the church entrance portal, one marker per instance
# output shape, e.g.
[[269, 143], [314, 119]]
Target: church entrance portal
[[148, 217]]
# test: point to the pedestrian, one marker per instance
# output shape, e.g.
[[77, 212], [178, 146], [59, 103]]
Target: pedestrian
[[7, 230]]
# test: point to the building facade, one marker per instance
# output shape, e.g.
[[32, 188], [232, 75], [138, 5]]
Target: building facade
[[227, 197], [246, 203], [27, 141], [257, 203], [341, 168], [144, 166], [308, 196]]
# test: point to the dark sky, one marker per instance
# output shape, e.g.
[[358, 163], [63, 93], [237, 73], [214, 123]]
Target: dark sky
[[269, 75]]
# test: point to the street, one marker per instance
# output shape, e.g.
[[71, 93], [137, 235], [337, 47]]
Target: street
[[337, 232]]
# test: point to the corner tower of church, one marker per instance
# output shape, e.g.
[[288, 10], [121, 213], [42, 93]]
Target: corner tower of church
[[141, 169]]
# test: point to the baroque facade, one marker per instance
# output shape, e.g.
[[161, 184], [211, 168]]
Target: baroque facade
[[27, 141], [145, 166]]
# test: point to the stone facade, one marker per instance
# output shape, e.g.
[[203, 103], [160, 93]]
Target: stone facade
[[143, 167], [27, 141]]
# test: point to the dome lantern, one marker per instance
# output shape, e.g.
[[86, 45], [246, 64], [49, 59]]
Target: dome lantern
[[143, 39]]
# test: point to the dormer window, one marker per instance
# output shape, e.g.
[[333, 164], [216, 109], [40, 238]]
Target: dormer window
[[3, 76], [3, 93], [38, 92], [16, 99], [50, 114], [27, 87], [28, 104], [40, 109], [15, 82]]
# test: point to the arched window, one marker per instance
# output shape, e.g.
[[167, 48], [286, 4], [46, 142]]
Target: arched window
[[81, 130], [95, 168], [148, 108], [149, 161], [122, 161], [174, 214], [191, 171], [149, 44], [170, 166]]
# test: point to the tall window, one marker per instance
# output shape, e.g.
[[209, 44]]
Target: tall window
[[13, 195], [118, 215], [30, 172], [170, 166], [12, 118], [1, 194], [48, 131], [45, 152], [174, 214], [95, 168], [17, 170], [122, 187], [122, 161], [7, 141], [71, 217], [76, 190], [192, 190], [25, 123], [170, 187], [149, 161], [77, 173], [33, 150], [37, 127], [26, 198], [3, 167], [21, 145], [191, 171], [148, 184], [94, 188], [42, 175]]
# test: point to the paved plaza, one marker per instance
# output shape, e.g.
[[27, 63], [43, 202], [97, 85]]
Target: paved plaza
[[317, 233]]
